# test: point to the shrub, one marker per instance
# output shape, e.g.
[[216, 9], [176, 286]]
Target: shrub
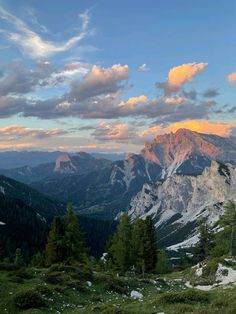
[[44, 290], [210, 269], [28, 299], [116, 285], [186, 296], [56, 277], [79, 271]]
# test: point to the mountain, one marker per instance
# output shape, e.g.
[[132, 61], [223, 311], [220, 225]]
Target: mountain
[[103, 192], [43, 205], [25, 215], [20, 227], [80, 163], [19, 159], [188, 152], [103, 188], [65, 164], [181, 201]]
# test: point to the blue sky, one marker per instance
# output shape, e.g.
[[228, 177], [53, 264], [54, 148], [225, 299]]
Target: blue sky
[[111, 75]]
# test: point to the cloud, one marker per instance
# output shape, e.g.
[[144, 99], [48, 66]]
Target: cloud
[[32, 43], [175, 100], [18, 79], [201, 126], [180, 75], [99, 81], [114, 131], [211, 93], [15, 132], [232, 78], [143, 68], [134, 101]]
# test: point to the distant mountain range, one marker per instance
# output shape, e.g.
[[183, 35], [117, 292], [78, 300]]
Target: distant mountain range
[[166, 180], [17, 159]]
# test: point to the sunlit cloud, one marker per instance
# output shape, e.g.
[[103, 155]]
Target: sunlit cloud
[[134, 100], [200, 126], [232, 78]]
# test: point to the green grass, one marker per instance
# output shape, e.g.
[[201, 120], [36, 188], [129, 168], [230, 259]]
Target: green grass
[[63, 289]]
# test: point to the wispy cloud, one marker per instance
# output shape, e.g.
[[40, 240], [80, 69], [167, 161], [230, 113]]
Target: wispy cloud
[[16, 132], [32, 43], [143, 68]]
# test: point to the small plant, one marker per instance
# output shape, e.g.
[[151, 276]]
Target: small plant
[[28, 299]]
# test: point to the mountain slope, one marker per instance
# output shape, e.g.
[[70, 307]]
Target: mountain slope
[[42, 204], [178, 203], [103, 192], [21, 227]]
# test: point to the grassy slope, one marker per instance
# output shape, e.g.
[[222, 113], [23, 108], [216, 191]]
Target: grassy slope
[[73, 295]]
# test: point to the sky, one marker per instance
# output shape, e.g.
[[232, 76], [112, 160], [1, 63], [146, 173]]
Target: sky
[[108, 76]]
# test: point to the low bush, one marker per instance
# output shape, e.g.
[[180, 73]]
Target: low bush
[[78, 271], [56, 277], [116, 285], [209, 270], [186, 296], [28, 299]]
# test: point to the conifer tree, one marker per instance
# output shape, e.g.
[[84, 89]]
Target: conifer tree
[[163, 263], [150, 245], [144, 250], [19, 260], [228, 219], [55, 248], [205, 242], [139, 245], [119, 250], [75, 248]]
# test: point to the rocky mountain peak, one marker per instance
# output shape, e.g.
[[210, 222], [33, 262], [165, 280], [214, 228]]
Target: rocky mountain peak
[[186, 148]]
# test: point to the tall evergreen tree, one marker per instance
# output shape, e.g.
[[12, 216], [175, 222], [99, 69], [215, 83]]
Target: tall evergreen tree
[[205, 242], [150, 245], [139, 245], [19, 259], [119, 250], [144, 250], [75, 248], [228, 219], [56, 248]]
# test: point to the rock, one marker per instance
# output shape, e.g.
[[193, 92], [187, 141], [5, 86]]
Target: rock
[[136, 295]]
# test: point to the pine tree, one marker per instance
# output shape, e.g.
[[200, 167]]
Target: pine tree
[[144, 251], [55, 248], [205, 242], [150, 245], [228, 219], [119, 250], [139, 245], [75, 248], [19, 260], [163, 263]]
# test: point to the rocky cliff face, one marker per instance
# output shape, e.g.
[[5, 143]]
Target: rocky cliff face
[[183, 200], [189, 152]]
